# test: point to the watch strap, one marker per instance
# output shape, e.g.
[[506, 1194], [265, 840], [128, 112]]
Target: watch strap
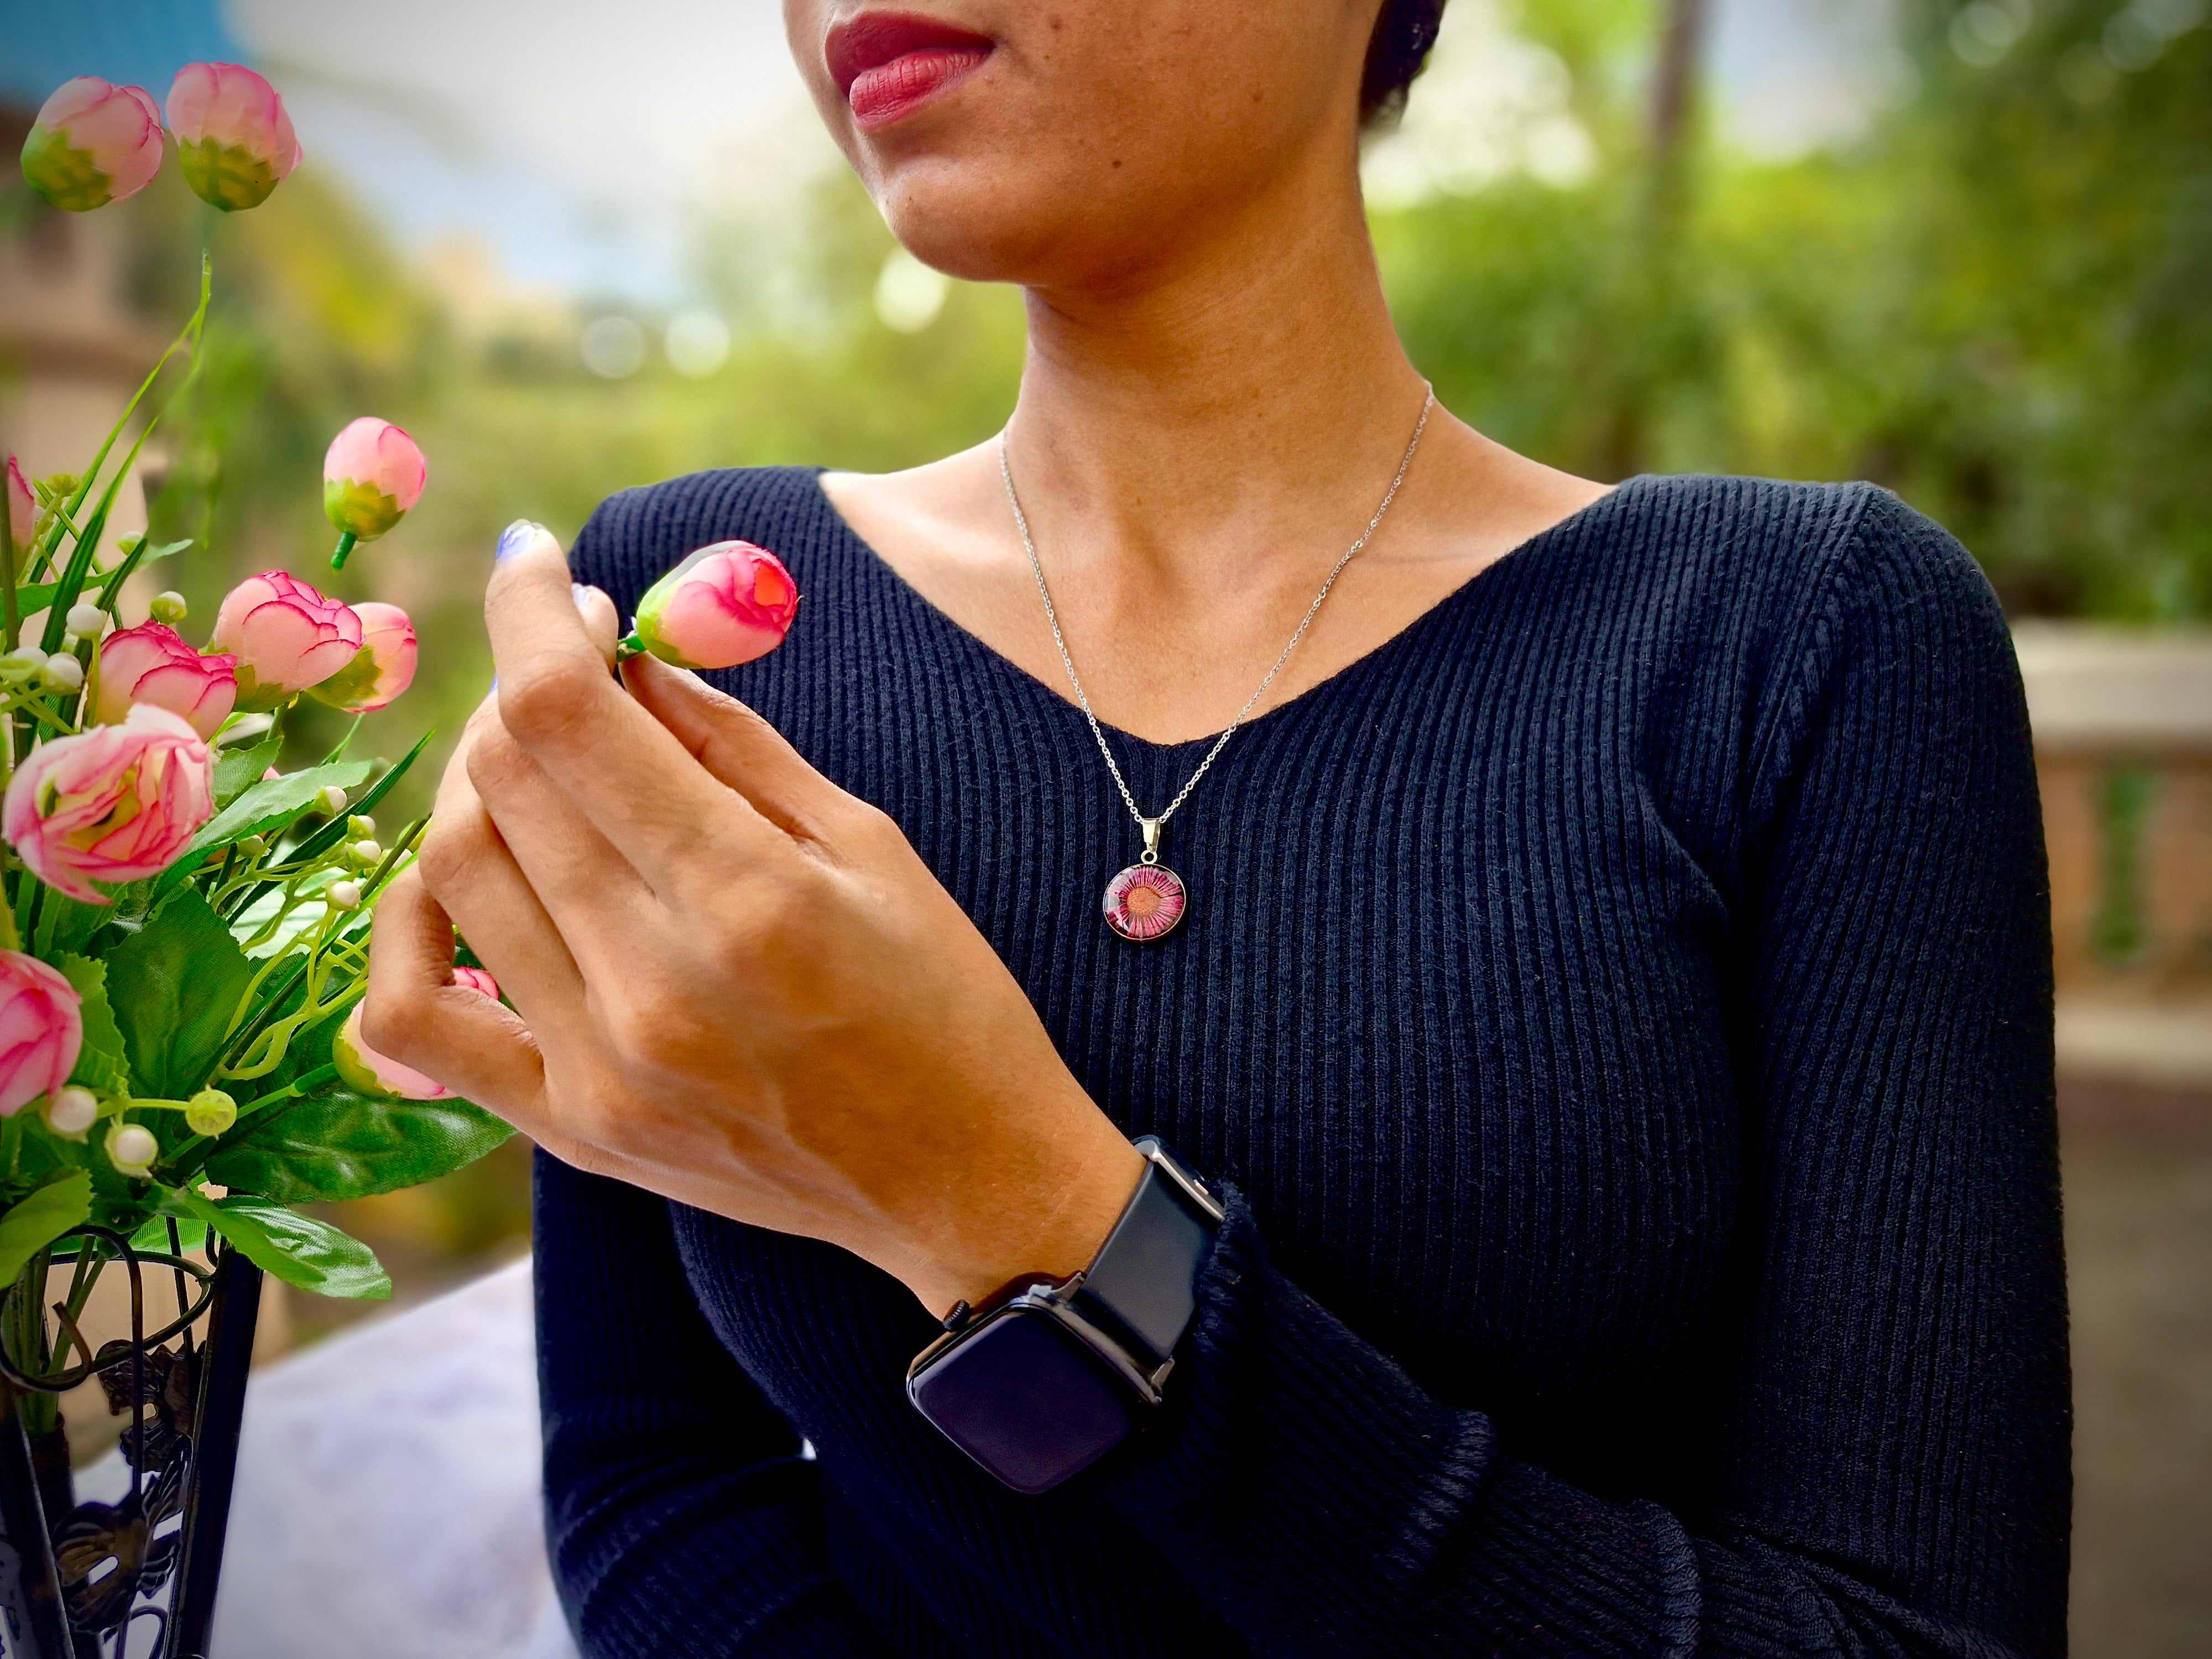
[[1142, 1283]]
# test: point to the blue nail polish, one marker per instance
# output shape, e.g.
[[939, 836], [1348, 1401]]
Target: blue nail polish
[[516, 537]]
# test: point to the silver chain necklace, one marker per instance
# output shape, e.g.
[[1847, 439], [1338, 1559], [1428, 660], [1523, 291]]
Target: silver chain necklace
[[1147, 899]]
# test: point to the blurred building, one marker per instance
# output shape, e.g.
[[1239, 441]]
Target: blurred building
[[71, 350]]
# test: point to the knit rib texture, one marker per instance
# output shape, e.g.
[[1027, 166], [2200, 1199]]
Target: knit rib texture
[[1618, 1011]]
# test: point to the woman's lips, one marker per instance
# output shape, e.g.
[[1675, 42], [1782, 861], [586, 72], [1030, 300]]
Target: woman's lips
[[889, 65]]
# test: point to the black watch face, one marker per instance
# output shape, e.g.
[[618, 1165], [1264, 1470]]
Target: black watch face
[[1026, 1400]]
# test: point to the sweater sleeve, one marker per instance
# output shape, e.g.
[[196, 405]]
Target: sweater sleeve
[[1891, 1473], [680, 1515]]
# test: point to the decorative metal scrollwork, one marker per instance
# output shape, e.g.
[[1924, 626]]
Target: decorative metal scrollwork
[[111, 1568]]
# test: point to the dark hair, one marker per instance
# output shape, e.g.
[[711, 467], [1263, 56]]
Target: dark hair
[[1396, 52]]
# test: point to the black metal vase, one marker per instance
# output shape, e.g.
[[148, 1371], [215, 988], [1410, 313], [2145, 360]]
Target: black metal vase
[[136, 1579]]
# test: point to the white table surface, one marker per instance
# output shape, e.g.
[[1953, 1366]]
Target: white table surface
[[387, 1504]]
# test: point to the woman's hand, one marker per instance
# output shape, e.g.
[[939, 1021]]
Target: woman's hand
[[737, 985]]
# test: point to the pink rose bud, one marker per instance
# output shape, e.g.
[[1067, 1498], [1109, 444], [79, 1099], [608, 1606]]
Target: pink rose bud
[[475, 979], [365, 1071], [40, 1030], [23, 509], [725, 605], [93, 143], [152, 664], [116, 803], [371, 478], [383, 667], [233, 139], [286, 637]]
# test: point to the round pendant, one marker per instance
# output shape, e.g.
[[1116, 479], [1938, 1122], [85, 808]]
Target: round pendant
[[1144, 902]]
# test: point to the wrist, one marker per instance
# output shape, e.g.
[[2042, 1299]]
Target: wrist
[[1050, 1217], [1052, 1373]]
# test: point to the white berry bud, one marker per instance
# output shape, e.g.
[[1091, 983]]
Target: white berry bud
[[23, 660], [344, 895], [87, 620], [62, 672], [168, 608], [366, 854], [72, 1110], [332, 800], [132, 1149], [361, 826]]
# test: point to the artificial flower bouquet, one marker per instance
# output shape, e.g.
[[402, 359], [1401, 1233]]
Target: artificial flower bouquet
[[184, 935]]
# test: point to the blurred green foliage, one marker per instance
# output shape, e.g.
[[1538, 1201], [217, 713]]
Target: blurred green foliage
[[1998, 302]]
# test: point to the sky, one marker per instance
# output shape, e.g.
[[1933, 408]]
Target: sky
[[576, 140]]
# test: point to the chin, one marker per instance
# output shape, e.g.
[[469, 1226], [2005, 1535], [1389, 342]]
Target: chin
[[1036, 228], [1006, 141]]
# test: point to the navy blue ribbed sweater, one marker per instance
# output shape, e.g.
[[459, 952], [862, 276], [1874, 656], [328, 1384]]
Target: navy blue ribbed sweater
[[1618, 1010]]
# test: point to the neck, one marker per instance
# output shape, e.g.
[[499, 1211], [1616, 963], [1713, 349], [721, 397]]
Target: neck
[[1194, 420]]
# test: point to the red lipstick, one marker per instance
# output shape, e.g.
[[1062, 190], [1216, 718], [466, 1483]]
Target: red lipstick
[[889, 65]]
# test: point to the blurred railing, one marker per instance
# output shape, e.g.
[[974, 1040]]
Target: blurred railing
[[2123, 723]]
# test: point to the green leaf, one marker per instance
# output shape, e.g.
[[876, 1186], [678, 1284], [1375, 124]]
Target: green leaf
[[237, 770], [38, 596], [340, 1145], [299, 1249], [266, 806], [173, 987], [101, 1065], [41, 1218], [154, 1235]]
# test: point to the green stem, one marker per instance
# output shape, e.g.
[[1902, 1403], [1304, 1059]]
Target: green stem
[[346, 542], [195, 1148], [10, 613], [189, 338], [632, 646]]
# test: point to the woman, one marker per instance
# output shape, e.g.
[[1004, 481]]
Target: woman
[[1604, 981]]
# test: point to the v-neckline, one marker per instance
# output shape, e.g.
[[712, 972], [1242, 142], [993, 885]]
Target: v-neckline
[[1518, 555]]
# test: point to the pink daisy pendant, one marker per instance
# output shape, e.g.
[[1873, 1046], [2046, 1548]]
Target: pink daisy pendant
[[1145, 902]]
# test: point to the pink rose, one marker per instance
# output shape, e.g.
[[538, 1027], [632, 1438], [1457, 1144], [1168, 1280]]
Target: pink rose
[[93, 143], [23, 509], [383, 667], [725, 605], [116, 803], [234, 141], [286, 637], [152, 663], [372, 475], [475, 979], [362, 1068], [40, 1030]]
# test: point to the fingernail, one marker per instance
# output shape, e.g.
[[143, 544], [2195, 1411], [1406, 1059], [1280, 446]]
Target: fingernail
[[516, 537]]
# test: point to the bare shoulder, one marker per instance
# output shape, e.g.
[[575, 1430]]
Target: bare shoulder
[[1481, 499], [924, 517]]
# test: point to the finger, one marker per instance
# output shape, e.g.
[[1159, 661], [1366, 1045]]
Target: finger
[[598, 902], [737, 747], [622, 768], [601, 622], [472, 874], [416, 1014]]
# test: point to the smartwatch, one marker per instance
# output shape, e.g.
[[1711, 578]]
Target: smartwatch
[[1051, 1374]]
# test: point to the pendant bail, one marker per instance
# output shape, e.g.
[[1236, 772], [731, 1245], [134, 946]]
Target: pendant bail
[[1152, 829]]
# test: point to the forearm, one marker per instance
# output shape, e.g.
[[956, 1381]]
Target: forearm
[[1318, 1498], [680, 1516]]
